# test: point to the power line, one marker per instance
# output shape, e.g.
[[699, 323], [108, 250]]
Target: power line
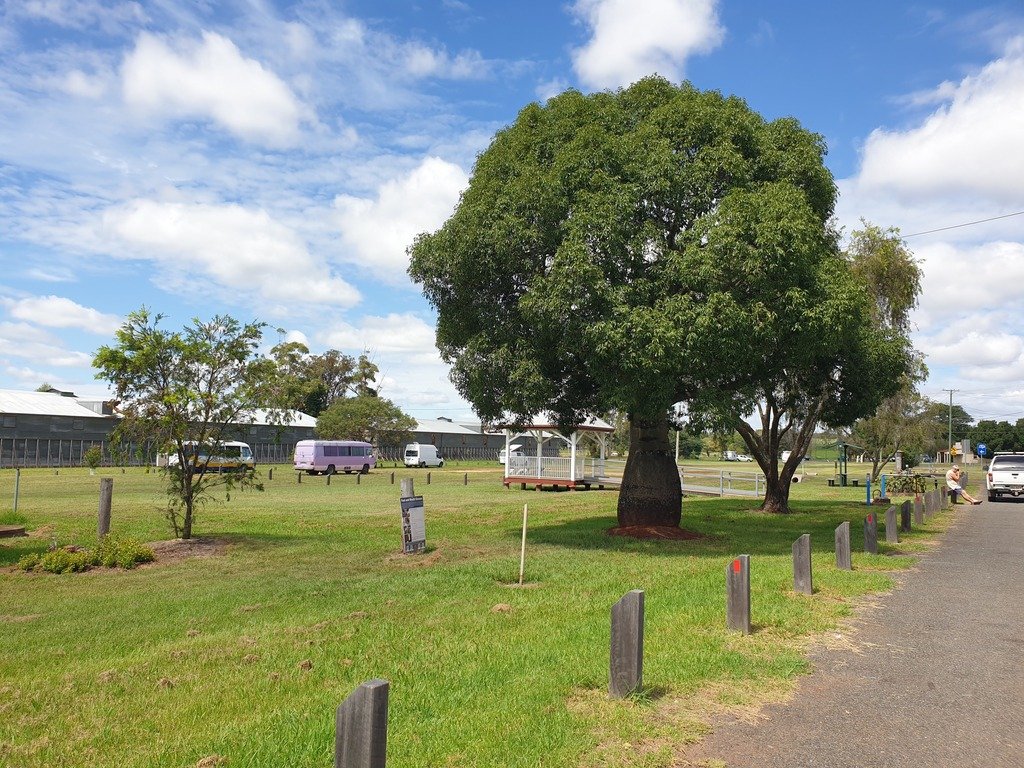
[[965, 224]]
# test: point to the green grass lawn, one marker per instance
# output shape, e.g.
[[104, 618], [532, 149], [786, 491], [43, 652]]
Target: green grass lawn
[[246, 654]]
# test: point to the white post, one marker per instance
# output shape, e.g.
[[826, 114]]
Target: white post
[[522, 549], [572, 455]]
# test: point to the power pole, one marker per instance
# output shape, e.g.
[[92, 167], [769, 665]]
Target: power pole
[[950, 441]]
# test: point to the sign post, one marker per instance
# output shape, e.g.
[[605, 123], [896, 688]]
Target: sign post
[[414, 525]]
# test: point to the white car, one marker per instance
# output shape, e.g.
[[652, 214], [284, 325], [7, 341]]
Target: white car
[[1005, 476], [744, 457]]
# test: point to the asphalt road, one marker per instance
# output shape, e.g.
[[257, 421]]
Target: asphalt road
[[936, 677]]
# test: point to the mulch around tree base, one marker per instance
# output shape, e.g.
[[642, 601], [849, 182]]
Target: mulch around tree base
[[654, 532]]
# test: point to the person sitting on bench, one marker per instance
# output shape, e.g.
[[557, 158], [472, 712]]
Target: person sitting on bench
[[953, 483]]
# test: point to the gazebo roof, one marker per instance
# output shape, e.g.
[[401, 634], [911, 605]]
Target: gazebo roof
[[546, 422]]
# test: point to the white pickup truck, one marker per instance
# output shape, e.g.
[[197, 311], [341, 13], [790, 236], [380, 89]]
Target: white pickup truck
[[1005, 476]]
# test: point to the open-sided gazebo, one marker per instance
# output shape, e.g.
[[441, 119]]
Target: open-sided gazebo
[[572, 471]]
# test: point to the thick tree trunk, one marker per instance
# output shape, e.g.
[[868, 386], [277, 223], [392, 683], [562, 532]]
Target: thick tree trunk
[[651, 493]]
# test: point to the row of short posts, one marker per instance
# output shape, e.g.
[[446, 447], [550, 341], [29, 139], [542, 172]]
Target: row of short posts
[[361, 720], [298, 478]]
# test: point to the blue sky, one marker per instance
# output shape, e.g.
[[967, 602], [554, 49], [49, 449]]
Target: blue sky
[[272, 161]]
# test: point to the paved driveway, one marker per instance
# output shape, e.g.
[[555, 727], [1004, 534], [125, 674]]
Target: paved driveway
[[937, 678]]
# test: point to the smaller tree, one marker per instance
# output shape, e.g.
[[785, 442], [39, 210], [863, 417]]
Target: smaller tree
[[366, 417], [188, 389], [900, 424]]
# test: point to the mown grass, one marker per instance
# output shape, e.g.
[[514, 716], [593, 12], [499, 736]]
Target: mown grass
[[246, 654]]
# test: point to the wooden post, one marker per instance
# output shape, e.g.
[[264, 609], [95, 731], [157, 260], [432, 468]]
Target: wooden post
[[328, 479], [298, 478], [465, 478], [17, 479], [843, 560], [106, 495], [392, 478], [905, 516], [802, 577], [737, 586], [428, 478], [407, 488], [361, 727], [270, 474], [918, 509], [871, 534], [359, 481], [522, 549], [892, 533], [627, 647]]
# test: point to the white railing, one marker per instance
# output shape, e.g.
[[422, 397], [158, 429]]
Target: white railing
[[554, 467], [724, 482]]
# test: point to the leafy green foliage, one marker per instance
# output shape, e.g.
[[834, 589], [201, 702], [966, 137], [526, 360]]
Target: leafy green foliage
[[366, 417], [93, 457], [627, 251], [906, 484], [198, 384], [110, 552], [999, 435]]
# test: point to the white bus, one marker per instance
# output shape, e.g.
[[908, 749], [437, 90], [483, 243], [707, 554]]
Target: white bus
[[226, 456], [330, 456]]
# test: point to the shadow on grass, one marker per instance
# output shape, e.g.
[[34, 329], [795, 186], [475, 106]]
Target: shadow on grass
[[725, 527]]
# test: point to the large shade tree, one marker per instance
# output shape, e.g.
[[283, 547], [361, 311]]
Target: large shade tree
[[831, 357], [582, 270]]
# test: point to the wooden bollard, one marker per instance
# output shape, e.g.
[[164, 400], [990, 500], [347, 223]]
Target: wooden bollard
[[408, 488], [905, 516], [392, 478], [359, 478], [843, 560], [871, 534], [270, 474], [328, 478], [298, 478], [106, 496], [428, 478], [465, 478], [892, 532], [918, 509], [737, 588], [627, 648], [361, 727], [803, 580]]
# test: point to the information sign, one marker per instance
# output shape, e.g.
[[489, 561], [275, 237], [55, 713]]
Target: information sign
[[414, 525]]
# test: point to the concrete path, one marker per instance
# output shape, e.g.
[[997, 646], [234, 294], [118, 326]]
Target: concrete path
[[936, 679]]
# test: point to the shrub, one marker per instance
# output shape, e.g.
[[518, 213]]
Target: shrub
[[111, 552], [29, 562], [93, 457], [906, 484], [66, 560], [115, 551]]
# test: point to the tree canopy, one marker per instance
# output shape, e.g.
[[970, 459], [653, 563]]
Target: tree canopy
[[194, 385], [365, 417], [628, 250]]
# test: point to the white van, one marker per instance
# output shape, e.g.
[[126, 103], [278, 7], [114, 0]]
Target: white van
[[517, 450], [422, 455]]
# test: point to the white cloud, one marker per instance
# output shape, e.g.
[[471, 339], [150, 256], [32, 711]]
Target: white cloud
[[973, 348], [211, 79], [28, 342], [238, 248], [378, 231], [78, 83], [60, 312], [630, 39], [971, 144], [389, 334], [550, 88]]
